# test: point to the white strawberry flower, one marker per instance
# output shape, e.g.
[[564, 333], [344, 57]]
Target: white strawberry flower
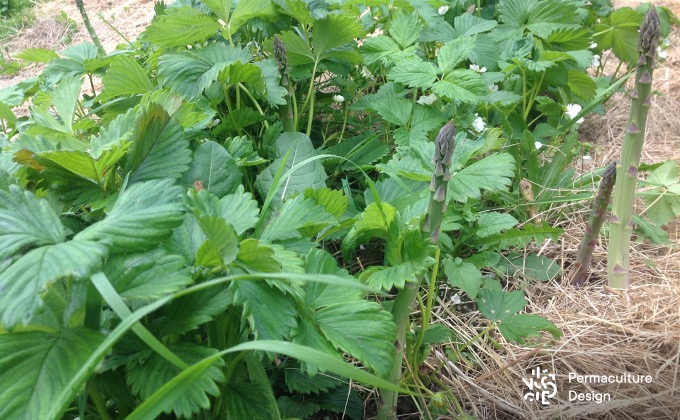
[[338, 98], [478, 124], [442, 10], [572, 111], [427, 99]]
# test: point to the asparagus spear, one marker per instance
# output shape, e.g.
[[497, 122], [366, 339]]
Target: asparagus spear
[[401, 309], [579, 271], [440, 180], [627, 172], [286, 111]]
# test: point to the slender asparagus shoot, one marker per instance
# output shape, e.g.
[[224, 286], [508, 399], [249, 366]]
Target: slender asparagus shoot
[[618, 264], [401, 310], [286, 111], [528, 195], [579, 271]]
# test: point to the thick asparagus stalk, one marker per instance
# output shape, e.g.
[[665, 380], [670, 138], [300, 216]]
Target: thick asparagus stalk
[[627, 172], [440, 180], [401, 309], [579, 271], [286, 111]]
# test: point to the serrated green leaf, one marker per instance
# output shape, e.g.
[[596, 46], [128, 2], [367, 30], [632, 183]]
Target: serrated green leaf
[[214, 167], [153, 371], [467, 24], [540, 18], [385, 278], [581, 84], [241, 149], [295, 214], [619, 31], [334, 202], [277, 321], [221, 247], [318, 295], [146, 275], [532, 266], [405, 28], [189, 73], [240, 210], [390, 104], [493, 173], [188, 312], [453, 52], [497, 305], [35, 367], [299, 382], [298, 147], [334, 31], [37, 55], [438, 334], [180, 26], [462, 85], [246, 10], [65, 98], [414, 72], [160, 148], [371, 341], [464, 276], [411, 162], [26, 279], [258, 257], [520, 237], [385, 50], [492, 223], [375, 222], [519, 327], [503, 98], [26, 222], [247, 400], [125, 77], [144, 214], [663, 200]]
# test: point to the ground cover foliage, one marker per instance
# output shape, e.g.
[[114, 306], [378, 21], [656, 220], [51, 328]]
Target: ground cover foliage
[[167, 243]]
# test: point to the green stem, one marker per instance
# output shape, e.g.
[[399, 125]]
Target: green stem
[[579, 271], [310, 98], [427, 313], [97, 399], [618, 264], [93, 308], [401, 310], [90, 29]]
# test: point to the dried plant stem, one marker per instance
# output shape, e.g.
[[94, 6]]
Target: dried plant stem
[[618, 264], [579, 271]]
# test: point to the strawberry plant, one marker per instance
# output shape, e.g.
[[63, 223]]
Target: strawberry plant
[[168, 241]]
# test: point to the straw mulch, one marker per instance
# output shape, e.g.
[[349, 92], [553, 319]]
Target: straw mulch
[[606, 332]]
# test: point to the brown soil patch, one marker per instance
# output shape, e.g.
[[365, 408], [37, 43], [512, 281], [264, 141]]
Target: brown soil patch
[[129, 17]]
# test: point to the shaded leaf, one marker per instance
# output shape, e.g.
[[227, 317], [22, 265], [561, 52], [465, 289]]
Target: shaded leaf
[[35, 367], [519, 327], [27, 278], [144, 214], [497, 305], [152, 372], [26, 222], [215, 168]]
